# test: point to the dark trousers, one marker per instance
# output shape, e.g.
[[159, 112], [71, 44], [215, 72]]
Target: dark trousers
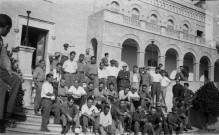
[[70, 78], [80, 101], [37, 99], [156, 89], [80, 76], [14, 82], [46, 110], [112, 79], [86, 122], [172, 128], [56, 108], [143, 127], [66, 125], [126, 122]]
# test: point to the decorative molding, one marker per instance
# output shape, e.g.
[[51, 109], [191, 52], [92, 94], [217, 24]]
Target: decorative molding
[[36, 19], [53, 37], [16, 30]]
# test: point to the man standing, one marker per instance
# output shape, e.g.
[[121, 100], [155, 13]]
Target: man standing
[[55, 61], [112, 73], [156, 86], [47, 98], [183, 74], [146, 79], [178, 90], [64, 53], [174, 122], [106, 121], [70, 67], [123, 78], [105, 59], [87, 56], [57, 73], [165, 82], [135, 78], [188, 97], [91, 72], [102, 74], [62, 91], [38, 78], [9, 81], [69, 116], [80, 76], [90, 115]]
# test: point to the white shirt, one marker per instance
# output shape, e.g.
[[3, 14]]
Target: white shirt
[[65, 52], [46, 88], [135, 77], [79, 91], [112, 71], [156, 77], [85, 109], [56, 75], [105, 120], [122, 96], [70, 66], [165, 81], [131, 95], [102, 73]]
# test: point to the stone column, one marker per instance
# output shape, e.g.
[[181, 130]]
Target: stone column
[[211, 73], [161, 59], [197, 71], [24, 56], [140, 59]]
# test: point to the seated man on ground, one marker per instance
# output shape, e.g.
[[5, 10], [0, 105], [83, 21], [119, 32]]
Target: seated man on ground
[[134, 99], [145, 98], [141, 123], [154, 119], [111, 92], [62, 91], [90, 115], [182, 114], [124, 94], [106, 121], [77, 92], [99, 97], [162, 118], [124, 116], [69, 116], [174, 122]]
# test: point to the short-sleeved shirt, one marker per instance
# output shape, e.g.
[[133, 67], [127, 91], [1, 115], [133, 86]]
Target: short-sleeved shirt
[[112, 71], [102, 73], [99, 94], [105, 120], [66, 109], [156, 77], [112, 93], [122, 95], [133, 95], [91, 69], [86, 109], [62, 91], [70, 66], [57, 75], [81, 66], [122, 109], [80, 90], [143, 94], [39, 74], [87, 58], [46, 88], [165, 81]]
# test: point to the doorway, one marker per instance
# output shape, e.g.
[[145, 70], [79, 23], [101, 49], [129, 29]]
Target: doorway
[[38, 40]]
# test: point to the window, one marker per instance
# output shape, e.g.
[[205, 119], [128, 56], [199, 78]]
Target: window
[[115, 6], [154, 19], [135, 13], [185, 28], [170, 24], [199, 33]]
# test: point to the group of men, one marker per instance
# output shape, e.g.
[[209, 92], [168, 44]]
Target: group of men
[[107, 97]]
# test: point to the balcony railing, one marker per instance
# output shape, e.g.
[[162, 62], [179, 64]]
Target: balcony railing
[[152, 27], [131, 21], [121, 19], [172, 33]]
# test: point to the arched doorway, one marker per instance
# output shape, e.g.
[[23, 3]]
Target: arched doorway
[[151, 55], [188, 63], [129, 52], [94, 46], [216, 71], [171, 62], [204, 69]]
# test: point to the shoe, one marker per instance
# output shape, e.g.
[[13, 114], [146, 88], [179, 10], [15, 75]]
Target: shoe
[[45, 130], [190, 128], [2, 126], [63, 130], [37, 114], [184, 129]]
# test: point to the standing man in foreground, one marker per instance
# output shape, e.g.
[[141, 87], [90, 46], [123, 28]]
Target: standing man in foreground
[[47, 101], [9, 81], [38, 78]]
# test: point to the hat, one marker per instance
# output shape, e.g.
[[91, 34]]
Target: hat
[[66, 45], [124, 65], [57, 54]]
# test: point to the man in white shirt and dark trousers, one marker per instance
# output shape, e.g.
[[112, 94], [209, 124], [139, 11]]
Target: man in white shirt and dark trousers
[[112, 73], [106, 121], [70, 68], [47, 101], [156, 86], [90, 115], [102, 74], [165, 82]]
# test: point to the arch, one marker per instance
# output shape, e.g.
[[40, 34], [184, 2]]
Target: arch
[[185, 22], [171, 57], [137, 7], [170, 24], [191, 51], [157, 43], [189, 61], [94, 45], [204, 73], [135, 13], [208, 55], [176, 48], [216, 70], [120, 2], [134, 37], [170, 17], [115, 6], [154, 12]]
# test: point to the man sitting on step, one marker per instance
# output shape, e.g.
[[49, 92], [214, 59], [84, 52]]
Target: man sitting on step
[[69, 115]]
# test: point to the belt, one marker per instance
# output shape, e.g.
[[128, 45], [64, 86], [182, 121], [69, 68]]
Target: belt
[[69, 73], [155, 82], [62, 96], [46, 98], [80, 72], [111, 76], [40, 81]]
